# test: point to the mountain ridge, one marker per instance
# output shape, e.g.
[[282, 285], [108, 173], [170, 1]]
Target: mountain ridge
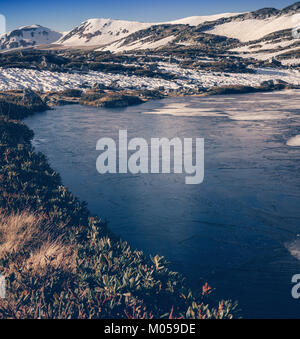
[[261, 34], [28, 36], [100, 31]]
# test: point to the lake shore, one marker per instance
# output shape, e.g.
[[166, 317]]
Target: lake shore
[[79, 268], [16, 138], [21, 103]]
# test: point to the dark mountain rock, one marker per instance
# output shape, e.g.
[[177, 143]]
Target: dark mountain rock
[[293, 9]]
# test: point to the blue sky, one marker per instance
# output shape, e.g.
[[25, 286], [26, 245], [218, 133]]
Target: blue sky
[[65, 15]]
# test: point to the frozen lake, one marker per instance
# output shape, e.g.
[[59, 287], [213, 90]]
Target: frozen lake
[[239, 229]]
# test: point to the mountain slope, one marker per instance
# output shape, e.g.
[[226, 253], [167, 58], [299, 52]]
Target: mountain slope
[[262, 34], [28, 36], [101, 32], [105, 31], [265, 34], [167, 35], [197, 20], [256, 25]]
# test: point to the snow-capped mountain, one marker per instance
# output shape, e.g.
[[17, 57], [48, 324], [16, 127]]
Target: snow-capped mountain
[[97, 32], [100, 32], [28, 36], [256, 25], [261, 34], [264, 34]]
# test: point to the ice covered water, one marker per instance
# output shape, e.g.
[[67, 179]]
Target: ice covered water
[[294, 141], [235, 230]]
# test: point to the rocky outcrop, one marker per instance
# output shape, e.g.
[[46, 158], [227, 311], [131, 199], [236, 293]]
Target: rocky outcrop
[[113, 100], [19, 104], [98, 98], [292, 9], [266, 86]]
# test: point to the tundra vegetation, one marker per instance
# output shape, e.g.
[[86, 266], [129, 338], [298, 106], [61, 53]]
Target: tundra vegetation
[[59, 261]]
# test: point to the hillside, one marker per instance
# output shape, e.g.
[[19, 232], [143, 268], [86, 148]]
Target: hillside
[[261, 35], [28, 36], [247, 29], [100, 32]]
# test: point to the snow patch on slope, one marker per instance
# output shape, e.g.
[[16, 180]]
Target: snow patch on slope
[[138, 44], [198, 20], [106, 31], [254, 29]]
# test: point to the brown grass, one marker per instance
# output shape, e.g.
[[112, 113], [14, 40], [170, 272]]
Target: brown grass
[[31, 233]]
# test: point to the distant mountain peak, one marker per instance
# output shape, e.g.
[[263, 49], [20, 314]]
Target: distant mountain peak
[[31, 26], [27, 36], [101, 31]]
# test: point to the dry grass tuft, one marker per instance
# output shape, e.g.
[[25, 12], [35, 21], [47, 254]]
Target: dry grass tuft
[[31, 233], [56, 254]]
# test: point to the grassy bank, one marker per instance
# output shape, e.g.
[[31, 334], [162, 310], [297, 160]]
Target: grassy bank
[[60, 261]]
